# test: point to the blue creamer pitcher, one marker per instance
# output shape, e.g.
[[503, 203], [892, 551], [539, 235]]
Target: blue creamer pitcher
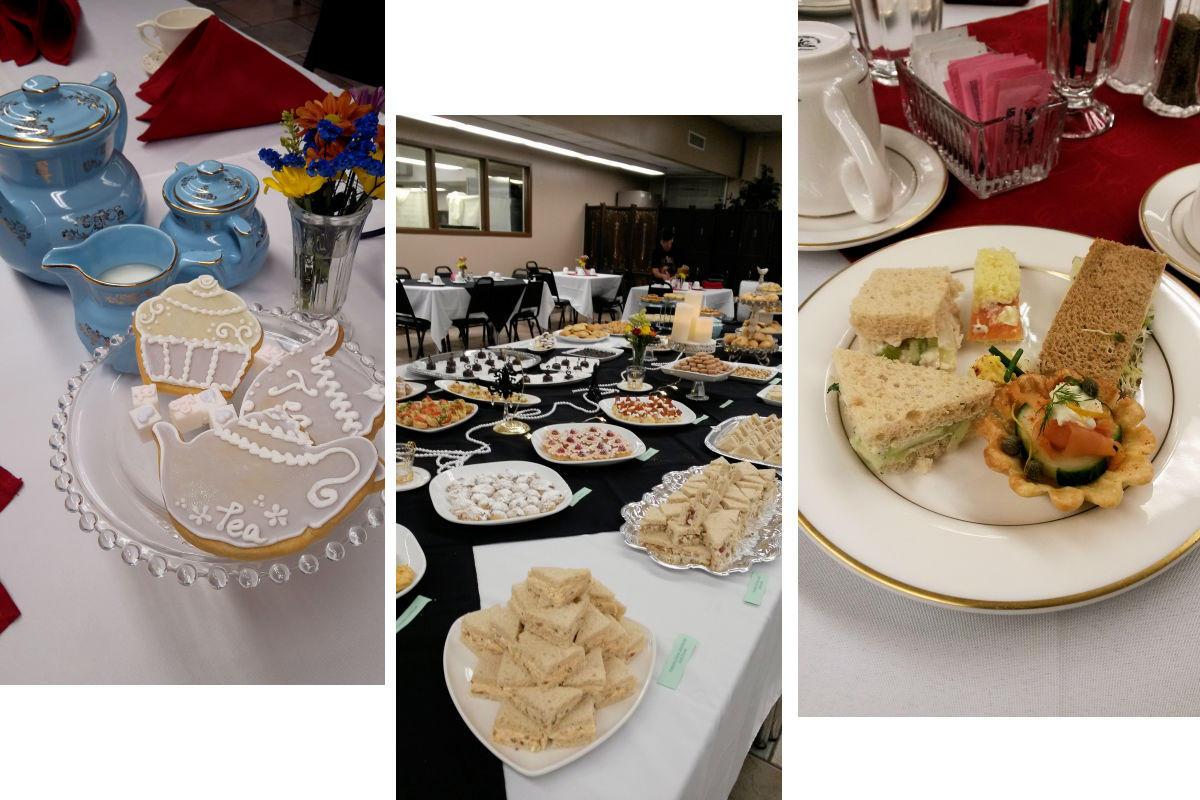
[[62, 174], [111, 272]]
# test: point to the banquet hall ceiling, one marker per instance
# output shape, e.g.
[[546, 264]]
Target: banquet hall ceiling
[[561, 131]]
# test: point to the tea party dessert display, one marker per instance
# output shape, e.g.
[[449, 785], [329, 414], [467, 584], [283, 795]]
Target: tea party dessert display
[[195, 335], [562, 659], [586, 444], [648, 410], [258, 487], [584, 333], [428, 414], [721, 517], [64, 176], [110, 473]]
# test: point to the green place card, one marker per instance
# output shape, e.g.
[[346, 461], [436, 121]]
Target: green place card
[[727, 402], [681, 653], [778, 378], [756, 589], [582, 493], [700, 419], [649, 454], [410, 613]]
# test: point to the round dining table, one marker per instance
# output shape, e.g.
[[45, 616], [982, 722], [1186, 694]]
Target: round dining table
[[86, 616]]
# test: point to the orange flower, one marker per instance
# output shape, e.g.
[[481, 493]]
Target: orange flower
[[341, 110]]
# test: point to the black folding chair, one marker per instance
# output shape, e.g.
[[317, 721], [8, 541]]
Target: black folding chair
[[520, 272], [444, 271], [408, 320], [402, 272], [616, 307], [502, 306], [527, 312], [476, 314], [560, 305]]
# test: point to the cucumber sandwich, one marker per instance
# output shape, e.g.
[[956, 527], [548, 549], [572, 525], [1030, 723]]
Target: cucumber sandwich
[[901, 417], [909, 315]]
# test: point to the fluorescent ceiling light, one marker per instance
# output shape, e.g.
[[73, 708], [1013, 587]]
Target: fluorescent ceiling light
[[549, 148], [419, 163]]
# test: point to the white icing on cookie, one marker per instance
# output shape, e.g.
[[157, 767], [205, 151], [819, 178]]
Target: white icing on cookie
[[259, 480], [330, 400], [196, 335]]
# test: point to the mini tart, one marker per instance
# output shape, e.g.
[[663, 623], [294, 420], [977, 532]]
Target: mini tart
[[1106, 491]]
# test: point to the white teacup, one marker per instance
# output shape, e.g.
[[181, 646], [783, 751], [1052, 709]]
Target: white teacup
[[841, 156], [424, 277], [437, 280], [172, 27]]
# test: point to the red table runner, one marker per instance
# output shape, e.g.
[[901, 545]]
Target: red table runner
[[1098, 183]]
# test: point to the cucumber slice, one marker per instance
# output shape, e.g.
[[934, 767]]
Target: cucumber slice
[[1063, 470]]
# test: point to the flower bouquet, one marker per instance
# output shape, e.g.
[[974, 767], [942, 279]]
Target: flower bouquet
[[640, 335], [462, 268], [581, 262], [330, 171]]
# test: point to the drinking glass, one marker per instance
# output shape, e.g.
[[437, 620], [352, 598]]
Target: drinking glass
[[886, 29], [405, 451], [1078, 49]]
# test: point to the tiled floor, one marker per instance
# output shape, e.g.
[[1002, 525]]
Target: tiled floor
[[285, 26]]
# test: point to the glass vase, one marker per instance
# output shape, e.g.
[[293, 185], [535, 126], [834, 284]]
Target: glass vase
[[323, 251]]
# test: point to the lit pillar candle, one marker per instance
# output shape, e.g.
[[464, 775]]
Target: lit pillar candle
[[685, 315], [694, 299], [702, 329]]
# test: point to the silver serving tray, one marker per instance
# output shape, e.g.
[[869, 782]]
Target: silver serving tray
[[760, 545], [718, 433]]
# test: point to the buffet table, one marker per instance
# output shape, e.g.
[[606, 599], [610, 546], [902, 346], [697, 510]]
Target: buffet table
[[441, 304], [579, 290], [866, 650], [86, 617], [720, 299], [731, 681]]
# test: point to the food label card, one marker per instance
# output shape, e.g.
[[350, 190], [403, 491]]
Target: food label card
[[410, 613], [677, 661], [756, 589]]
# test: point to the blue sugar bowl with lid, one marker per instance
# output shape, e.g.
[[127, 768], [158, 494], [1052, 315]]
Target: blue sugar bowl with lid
[[62, 174], [211, 207]]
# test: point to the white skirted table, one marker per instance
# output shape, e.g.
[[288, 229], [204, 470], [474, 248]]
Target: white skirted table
[[443, 304], [580, 290], [720, 299]]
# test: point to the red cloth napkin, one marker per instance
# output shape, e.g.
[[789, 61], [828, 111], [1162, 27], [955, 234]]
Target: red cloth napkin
[[1098, 183], [9, 486], [30, 26], [218, 80]]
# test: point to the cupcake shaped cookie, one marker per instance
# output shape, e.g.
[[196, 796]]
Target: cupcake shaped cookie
[[194, 336]]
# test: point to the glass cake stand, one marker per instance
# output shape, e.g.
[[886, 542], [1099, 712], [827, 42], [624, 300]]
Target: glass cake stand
[[108, 471], [697, 394]]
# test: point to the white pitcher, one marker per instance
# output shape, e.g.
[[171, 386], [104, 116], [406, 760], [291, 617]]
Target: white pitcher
[[841, 155]]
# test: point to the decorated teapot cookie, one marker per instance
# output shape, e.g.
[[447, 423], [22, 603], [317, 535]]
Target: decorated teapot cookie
[[329, 401], [257, 487]]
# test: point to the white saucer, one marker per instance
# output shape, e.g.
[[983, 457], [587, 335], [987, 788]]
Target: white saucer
[[823, 8], [625, 387], [1161, 216], [919, 181], [153, 60], [420, 478]]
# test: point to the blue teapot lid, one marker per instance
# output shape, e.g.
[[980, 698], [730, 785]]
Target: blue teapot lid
[[210, 187], [43, 112]]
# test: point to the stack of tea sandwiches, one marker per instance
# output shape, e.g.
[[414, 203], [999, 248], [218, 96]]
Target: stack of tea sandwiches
[[557, 652]]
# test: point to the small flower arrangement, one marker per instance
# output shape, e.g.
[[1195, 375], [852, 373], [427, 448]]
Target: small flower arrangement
[[332, 162], [682, 272], [639, 334], [581, 262], [462, 263]]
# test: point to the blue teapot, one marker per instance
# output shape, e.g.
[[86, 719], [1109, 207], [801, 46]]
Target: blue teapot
[[112, 272], [62, 175], [212, 208]]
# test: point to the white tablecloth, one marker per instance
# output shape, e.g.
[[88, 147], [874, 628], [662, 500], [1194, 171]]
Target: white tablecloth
[[85, 616], [442, 304], [688, 743], [720, 299], [578, 290]]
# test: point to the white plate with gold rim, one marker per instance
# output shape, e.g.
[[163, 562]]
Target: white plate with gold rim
[[1163, 209], [919, 181], [479, 713], [958, 536]]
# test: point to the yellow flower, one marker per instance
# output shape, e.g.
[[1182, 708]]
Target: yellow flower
[[645, 331], [293, 182]]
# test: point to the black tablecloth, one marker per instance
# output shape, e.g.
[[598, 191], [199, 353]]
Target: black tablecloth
[[429, 725]]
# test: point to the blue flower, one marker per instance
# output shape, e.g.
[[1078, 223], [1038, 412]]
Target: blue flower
[[293, 160], [373, 167], [271, 158], [322, 167], [328, 131], [367, 124]]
